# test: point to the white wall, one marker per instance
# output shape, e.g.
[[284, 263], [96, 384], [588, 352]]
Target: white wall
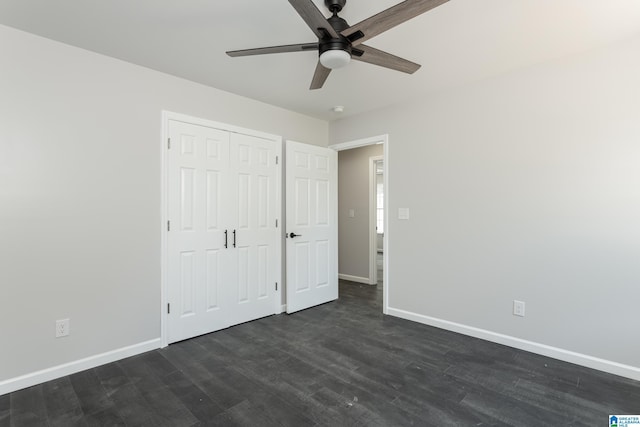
[[80, 195], [353, 194], [526, 186]]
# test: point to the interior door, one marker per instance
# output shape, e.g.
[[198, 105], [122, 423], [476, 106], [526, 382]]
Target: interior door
[[198, 165], [312, 228], [254, 234]]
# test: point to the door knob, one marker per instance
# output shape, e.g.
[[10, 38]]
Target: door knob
[[292, 235]]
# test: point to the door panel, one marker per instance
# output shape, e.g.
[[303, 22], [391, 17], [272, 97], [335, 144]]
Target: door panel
[[213, 278], [254, 178], [195, 243], [312, 257], [213, 200], [322, 263], [187, 284]]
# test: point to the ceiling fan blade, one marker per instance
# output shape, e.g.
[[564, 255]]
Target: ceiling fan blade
[[314, 18], [320, 76], [274, 49], [377, 57], [387, 19]]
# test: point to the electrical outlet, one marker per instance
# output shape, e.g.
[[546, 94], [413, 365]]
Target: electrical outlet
[[62, 328], [518, 308]]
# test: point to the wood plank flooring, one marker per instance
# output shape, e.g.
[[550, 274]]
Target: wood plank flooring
[[340, 364]]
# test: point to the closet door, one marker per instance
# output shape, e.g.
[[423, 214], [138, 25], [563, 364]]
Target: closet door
[[253, 212], [223, 243], [198, 293]]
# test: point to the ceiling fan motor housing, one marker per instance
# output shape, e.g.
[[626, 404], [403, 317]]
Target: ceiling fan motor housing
[[341, 43]]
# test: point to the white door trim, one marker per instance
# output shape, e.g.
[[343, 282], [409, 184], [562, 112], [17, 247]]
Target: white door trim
[[380, 139], [164, 208], [373, 219]]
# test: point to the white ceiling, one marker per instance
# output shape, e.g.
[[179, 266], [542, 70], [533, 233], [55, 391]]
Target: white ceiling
[[459, 42]]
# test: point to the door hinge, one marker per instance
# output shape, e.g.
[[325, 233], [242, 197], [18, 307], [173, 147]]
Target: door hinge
[[276, 286], [276, 223], [276, 160], [168, 308], [168, 143], [168, 225]]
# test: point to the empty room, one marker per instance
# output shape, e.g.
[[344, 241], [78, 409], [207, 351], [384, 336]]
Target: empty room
[[177, 247]]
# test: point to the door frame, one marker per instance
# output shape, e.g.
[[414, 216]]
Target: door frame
[[380, 139], [164, 206], [373, 217]]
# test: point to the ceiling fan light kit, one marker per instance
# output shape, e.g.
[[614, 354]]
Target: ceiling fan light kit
[[338, 42], [335, 58]]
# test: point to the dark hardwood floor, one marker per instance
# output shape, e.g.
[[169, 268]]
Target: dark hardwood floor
[[340, 364]]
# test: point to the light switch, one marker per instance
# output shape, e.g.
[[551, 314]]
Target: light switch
[[352, 213], [403, 213]]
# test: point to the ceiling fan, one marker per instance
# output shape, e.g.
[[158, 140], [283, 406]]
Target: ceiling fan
[[338, 42]]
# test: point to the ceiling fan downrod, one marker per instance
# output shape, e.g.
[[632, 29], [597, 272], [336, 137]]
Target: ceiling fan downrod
[[335, 6]]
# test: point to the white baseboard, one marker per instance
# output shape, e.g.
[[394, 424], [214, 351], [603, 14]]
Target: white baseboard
[[357, 279], [283, 309], [39, 377], [609, 366]]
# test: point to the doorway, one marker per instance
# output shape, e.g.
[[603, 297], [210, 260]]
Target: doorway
[[377, 210], [358, 214]]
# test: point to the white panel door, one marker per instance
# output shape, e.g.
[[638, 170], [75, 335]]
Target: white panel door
[[198, 165], [254, 236], [312, 228], [223, 243]]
